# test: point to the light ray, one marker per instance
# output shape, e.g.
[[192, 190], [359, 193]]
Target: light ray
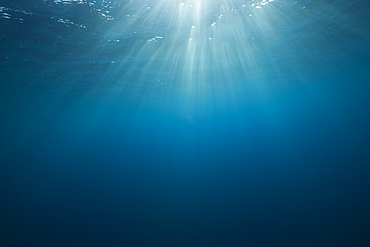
[[187, 45]]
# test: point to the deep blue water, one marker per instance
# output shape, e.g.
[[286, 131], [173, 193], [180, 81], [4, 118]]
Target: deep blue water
[[184, 123]]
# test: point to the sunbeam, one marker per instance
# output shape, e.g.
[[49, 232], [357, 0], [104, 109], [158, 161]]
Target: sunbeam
[[184, 45]]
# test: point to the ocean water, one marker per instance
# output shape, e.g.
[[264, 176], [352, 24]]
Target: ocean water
[[184, 123]]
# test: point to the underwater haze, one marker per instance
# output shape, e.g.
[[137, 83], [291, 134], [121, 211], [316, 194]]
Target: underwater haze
[[185, 123]]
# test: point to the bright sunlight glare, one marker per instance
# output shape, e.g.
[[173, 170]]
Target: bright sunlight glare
[[189, 44]]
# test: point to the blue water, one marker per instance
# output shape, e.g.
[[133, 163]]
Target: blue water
[[184, 123]]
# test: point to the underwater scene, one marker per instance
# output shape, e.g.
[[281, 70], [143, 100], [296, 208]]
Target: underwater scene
[[185, 123]]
